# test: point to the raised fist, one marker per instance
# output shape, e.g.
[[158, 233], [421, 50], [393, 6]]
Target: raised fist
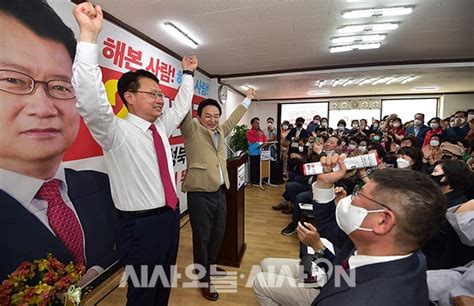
[[189, 62], [89, 18]]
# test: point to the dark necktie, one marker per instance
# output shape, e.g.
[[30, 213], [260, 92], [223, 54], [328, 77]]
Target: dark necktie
[[345, 263], [170, 194], [62, 219]]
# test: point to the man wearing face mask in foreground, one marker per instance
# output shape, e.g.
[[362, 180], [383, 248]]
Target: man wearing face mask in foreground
[[386, 222]]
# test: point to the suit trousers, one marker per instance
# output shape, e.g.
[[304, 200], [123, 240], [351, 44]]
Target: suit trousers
[[278, 283], [145, 244], [207, 213], [255, 169]]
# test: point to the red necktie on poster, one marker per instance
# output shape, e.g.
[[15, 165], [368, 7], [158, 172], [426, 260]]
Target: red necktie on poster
[[62, 219], [170, 194]]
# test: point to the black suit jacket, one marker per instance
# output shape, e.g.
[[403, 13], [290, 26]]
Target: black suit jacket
[[398, 282], [421, 134], [25, 238], [292, 133], [325, 221]]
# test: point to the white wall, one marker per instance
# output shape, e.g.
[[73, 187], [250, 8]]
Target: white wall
[[263, 110], [233, 101], [454, 102]]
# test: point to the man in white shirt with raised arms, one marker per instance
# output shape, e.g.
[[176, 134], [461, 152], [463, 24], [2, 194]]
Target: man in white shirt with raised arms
[[137, 155]]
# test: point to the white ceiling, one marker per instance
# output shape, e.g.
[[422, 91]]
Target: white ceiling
[[248, 36]]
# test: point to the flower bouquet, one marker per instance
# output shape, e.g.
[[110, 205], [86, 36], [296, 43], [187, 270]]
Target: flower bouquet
[[41, 282]]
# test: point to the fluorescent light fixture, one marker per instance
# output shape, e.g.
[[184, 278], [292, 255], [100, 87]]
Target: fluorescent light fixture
[[319, 83], [347, 82], [368, 81], [354, 47], [377, 12], [180, 35], [358, 39], [318, 93], [394, 79], [382, 80], [425, 88], [357, 82], [372, 27], [341, 49], [397, 11], [409, 79]]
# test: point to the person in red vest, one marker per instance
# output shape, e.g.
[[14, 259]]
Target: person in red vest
[[255, 137]]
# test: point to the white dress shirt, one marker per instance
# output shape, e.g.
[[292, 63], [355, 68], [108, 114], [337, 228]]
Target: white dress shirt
[[245, 103], [356, 261], [129, 152]]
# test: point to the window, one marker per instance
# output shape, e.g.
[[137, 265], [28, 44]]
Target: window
[[407, 108], [352, 114], [306, 110]]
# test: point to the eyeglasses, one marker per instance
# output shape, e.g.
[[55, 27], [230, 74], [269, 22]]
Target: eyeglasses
[[18, 83], [357, 192], [152, 94]]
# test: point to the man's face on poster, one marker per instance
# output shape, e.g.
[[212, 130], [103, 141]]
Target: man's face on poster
[[35, 127]]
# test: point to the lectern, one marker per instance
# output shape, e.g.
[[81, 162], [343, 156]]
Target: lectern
[[233, 245]]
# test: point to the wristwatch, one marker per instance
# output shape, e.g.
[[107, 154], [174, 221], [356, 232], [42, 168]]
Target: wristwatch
[[320, 252], [190, 72]]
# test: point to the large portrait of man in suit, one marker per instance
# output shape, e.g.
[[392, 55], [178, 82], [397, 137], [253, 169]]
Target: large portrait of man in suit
[[38, 122]]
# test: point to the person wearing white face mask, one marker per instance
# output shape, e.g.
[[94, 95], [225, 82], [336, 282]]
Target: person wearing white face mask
[[324, 128], [271, 130], [419, 129], [410, 158], [459, 127], [355, 128], [432, 151], [386, 222], [364, 129], [352, 145], [396, 129], [341, 128], [374, 127], [435, 129], [314, 125]]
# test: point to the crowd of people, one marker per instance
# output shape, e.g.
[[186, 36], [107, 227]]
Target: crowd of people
[[390, 223]]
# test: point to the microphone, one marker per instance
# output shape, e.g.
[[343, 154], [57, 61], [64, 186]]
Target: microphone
[[228, 147]]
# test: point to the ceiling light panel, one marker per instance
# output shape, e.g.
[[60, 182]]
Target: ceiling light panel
[[368, 28], [354, 47], [358, 39], [180, 35], [377, 12]]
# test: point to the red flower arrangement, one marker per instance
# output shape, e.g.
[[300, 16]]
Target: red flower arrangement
[[40, 282]]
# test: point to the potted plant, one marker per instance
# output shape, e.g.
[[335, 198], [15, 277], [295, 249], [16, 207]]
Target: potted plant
[[239, 138]]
